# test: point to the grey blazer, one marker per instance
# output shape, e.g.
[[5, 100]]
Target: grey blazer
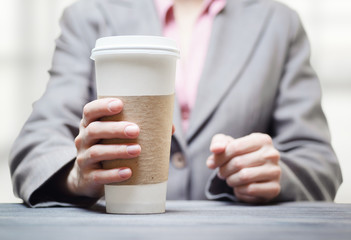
[[257, 78]]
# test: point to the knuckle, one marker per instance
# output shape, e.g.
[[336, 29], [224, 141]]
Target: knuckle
[[88, 130], [94, 177], [81, 123], [244, 175], [276, 172], [276, 189], [251, 190], [222, 172], [80, 160], [266, 139], [237, 163], [91, 130], [276, 155], [92, 153], [271, 154], [255, 134], [229, 182], [86, 111], [118, 129], [233, 147], [78, 141]]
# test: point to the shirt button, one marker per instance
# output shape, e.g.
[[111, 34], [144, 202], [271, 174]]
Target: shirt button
[[178, 160]]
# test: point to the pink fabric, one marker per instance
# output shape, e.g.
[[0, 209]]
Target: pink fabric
[[189, 70]]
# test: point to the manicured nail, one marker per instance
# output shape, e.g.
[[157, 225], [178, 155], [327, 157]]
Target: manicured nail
[[114, 106], [131, 130], [124, 173], [133, 149]]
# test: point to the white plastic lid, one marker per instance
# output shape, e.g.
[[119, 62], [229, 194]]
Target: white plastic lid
[[135, 44]]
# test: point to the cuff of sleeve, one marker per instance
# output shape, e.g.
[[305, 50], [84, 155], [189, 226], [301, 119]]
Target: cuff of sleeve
[[52, 193], [217, 189], [291, 187], [35, 190]]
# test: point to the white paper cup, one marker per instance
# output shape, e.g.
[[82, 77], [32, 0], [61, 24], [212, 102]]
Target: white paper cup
[[140, 70]]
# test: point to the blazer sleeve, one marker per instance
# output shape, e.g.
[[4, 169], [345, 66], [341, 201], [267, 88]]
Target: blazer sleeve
[[310, 169], [46, 143]]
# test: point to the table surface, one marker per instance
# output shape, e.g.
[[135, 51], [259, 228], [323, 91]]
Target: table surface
[[182, 220]]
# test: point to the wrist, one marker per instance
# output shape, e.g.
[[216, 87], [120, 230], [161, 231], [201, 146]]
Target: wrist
[[70, 181], [65, 187]]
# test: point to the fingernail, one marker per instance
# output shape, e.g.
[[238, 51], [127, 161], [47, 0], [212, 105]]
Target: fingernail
[[131, 130], [219, 145], [133, 149], [114, 106], [124, 173], [210, 162]]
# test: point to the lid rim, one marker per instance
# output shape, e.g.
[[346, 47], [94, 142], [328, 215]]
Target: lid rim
[[135, 43], [121, 47], [94, 55]]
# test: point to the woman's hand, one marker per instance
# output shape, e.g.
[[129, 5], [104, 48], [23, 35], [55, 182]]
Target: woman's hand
[[250, 165], [87, 178]]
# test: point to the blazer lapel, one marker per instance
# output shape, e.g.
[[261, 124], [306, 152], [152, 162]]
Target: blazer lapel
[[177, 121], [235, 32]]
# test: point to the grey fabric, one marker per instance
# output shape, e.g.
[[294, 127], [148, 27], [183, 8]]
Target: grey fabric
[[182, 220], [257, 78]]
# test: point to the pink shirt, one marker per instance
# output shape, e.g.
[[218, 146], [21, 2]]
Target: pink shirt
[[189, 70]]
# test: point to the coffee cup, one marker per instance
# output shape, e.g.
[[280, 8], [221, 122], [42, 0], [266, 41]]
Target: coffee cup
[[139, 70]]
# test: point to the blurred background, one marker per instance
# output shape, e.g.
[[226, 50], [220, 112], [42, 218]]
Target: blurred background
[[29, 29]]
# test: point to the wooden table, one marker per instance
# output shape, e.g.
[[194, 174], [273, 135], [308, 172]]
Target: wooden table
[[183, 220]]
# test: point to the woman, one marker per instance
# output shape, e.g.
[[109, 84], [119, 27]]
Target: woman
[[248, 115]]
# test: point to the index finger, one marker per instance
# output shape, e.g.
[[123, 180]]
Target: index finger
[[241, 146], [247, 144], [100, 108], [219, 143]]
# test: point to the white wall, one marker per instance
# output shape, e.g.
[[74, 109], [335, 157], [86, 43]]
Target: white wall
[[30, 28]]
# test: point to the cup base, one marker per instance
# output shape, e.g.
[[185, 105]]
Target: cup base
[[136, 199]]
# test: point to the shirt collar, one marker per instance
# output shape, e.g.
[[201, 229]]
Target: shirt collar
[[163, 6], [212, 6]]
